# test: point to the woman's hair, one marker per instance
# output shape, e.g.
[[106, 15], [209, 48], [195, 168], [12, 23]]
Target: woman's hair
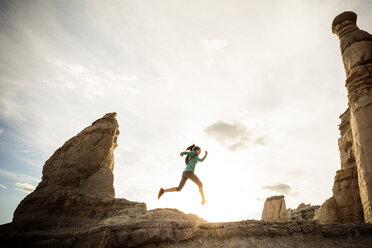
[[193, 147]]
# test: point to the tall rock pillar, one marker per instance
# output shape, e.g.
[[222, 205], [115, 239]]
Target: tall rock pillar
[[356, 50]]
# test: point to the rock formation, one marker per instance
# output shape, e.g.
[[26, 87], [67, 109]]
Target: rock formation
[[274, 209], [356, 50], [77, 183], [74, 206], [345, 205], [302, 212]]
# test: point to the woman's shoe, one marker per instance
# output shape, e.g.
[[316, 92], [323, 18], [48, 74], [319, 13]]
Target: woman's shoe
[[161, 192], [203, 201]]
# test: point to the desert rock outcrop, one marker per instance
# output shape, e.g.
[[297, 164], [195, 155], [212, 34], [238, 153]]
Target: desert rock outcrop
[[274, 209], [345, 205], [356, 50], [77, 183]]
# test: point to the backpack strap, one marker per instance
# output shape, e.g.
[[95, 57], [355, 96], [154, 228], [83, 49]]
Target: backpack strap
[[192, 157]]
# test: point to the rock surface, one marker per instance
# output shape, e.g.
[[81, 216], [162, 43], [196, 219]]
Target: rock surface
[[170, 228], [77, 183], [274, 209], [345, 205], [356, 50], [302, 212]]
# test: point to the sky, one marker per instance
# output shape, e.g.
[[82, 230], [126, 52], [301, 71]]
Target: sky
[[259, 85]]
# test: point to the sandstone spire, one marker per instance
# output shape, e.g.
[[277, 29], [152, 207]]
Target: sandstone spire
[[77, 179], [356, 50]]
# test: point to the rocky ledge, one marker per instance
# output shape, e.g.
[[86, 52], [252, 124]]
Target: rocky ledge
[[171, 228]]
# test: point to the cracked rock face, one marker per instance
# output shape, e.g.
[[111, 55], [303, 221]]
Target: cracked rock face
[[86, 161], [345, 205]]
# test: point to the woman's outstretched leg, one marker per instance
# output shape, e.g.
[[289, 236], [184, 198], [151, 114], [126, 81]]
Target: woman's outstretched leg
[[162, 191], [174, 189]]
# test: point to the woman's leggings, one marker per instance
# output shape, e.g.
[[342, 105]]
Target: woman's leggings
[[189, 175]]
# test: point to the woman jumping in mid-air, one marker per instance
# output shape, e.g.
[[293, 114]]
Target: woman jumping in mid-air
[[191, 160]]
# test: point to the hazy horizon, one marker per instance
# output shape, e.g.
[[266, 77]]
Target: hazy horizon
[[260, 86]]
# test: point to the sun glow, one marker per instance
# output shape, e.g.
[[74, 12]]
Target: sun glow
[[231, 189], [232, 182], [225, 202]]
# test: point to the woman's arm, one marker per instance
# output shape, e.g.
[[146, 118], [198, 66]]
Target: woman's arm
[[187, 153], [202, 159]]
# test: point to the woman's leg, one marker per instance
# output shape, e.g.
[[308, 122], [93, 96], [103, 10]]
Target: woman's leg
[[174, 189], [196, 180], [180, 186]]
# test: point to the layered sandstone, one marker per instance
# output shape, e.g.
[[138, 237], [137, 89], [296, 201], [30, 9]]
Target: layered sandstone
[[356, 50], [77, 183], [274, 209], [345, 205]]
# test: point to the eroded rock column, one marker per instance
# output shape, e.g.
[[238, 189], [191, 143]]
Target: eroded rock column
[[274, 209], [356, 50]]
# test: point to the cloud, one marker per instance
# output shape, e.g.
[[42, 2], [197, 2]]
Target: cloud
[[261, 140], [223, 131], [2, 186], [279, 188], [214, 44], [17, 176], [260, 199], [92, 81], [25, 187], [1, 131], [235, 136], [242, 144]]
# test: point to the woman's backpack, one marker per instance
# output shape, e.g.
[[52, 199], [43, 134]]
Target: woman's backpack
[[191, 148]]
